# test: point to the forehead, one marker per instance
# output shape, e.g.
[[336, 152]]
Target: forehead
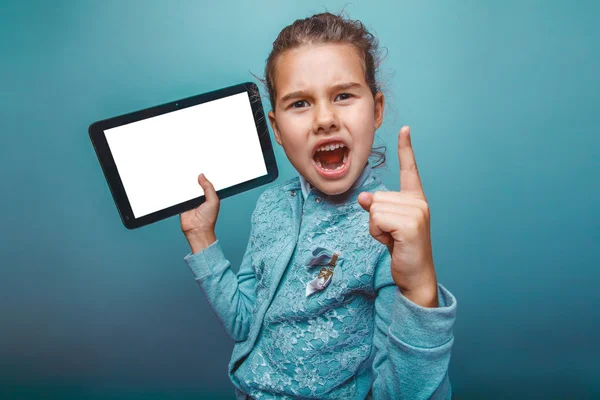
[[317, 67]]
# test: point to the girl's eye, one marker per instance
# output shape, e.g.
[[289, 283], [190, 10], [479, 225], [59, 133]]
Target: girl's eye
[[345, 94], [298, 102]]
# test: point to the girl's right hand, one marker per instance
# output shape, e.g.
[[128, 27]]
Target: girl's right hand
[[201, 220]]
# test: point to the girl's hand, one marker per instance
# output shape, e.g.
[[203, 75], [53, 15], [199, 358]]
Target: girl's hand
[[201, 220], [400, 220]]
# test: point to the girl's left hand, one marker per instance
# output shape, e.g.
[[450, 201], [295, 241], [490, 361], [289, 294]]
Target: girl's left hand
[[400, 220]]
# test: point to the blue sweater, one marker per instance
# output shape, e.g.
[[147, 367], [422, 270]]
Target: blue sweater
[[358, 337]]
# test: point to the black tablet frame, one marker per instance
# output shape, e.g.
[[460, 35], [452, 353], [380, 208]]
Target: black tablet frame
[[107, 162]]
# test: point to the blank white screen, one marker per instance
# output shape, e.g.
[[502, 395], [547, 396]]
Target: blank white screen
[[159, 158]]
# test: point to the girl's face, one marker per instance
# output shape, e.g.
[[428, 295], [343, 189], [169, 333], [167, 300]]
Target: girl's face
[[323, 99]]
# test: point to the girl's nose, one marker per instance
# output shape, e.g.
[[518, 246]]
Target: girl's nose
[[325, 118]]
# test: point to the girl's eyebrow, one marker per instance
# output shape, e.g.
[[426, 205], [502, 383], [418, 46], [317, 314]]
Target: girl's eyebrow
[[302, 93]]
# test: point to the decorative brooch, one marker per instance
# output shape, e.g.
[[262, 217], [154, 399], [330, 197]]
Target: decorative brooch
[[325, 273]]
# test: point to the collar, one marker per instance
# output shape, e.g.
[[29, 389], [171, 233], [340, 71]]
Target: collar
[[364, 182]]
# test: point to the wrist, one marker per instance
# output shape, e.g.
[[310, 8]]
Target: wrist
[[199, 241], [424, 294], [425, 297]]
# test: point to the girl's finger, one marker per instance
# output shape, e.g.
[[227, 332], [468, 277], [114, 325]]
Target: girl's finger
[[209, 190]]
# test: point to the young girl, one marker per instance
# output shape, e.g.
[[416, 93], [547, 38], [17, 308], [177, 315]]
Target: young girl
[[337, 296]]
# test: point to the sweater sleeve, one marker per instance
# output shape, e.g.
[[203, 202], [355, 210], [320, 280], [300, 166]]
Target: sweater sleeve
[[231, 296], [412, 343]]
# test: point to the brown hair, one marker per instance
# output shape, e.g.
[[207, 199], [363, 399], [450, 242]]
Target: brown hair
[[327, 28]]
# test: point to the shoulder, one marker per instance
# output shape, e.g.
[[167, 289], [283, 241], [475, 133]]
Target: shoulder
[[277, 189], [272, 198]]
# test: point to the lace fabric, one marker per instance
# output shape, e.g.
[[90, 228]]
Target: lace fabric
[[309, 342], [354, 338]]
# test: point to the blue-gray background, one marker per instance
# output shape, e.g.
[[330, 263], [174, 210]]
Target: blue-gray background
[[503, 99]]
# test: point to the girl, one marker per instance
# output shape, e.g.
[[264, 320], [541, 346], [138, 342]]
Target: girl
[[337, 296]]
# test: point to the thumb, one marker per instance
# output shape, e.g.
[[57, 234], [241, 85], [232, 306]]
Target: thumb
[[209, 190], [365, 199]]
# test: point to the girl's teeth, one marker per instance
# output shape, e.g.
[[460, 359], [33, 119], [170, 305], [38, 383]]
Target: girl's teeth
[[330, 147], [345, 158], [319, 164]]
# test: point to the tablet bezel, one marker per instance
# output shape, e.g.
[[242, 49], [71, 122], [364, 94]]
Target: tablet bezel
[[107, 162]]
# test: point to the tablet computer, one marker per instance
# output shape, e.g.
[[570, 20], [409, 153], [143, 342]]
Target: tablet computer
[[151, 158]]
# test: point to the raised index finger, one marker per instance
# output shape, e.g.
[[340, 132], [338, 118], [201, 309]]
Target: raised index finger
[[409, 174]]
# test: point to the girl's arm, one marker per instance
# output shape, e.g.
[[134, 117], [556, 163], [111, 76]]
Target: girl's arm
[[231, 296], [412, 343]]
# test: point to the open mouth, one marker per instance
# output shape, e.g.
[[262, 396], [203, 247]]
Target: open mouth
[[332, 159]]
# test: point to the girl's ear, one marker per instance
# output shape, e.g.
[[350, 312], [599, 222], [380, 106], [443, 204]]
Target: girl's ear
[[379, 106], [274, 126]]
